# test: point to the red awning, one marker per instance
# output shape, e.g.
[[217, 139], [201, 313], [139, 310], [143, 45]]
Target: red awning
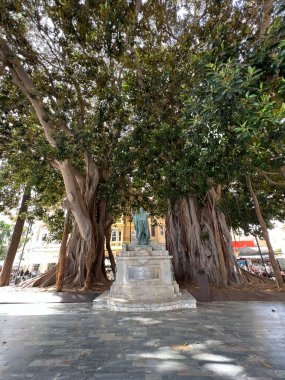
[[243, 243]]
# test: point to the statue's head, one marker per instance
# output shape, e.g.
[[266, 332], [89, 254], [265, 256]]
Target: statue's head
[[141, 209]]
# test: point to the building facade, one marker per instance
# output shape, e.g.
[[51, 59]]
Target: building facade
[[40, 254]]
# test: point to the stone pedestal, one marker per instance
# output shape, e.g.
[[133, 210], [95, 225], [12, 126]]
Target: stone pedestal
[[144, 282]]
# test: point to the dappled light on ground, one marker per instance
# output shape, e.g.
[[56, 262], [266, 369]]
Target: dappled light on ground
[[237, 342], [143, 320], [29, 309]]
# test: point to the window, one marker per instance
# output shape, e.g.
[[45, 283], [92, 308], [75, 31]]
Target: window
[[114, 235], [120, 235], [152, 231], [161, 230]]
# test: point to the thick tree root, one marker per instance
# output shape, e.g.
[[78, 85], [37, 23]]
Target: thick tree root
[[198, 237], [252, 278], [48, 279], [41, 281]]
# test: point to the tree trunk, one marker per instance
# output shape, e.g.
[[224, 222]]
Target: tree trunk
[[212, 195], [85, 250], [108, 245], [62, 254], [15, 240], [265, 17], [265, 234], [197, 236]]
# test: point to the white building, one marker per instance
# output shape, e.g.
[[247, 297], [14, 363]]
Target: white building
[[39, 254]]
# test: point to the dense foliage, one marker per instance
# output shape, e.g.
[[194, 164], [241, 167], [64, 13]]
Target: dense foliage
[[217, 113], [123, 103], [5, 233]]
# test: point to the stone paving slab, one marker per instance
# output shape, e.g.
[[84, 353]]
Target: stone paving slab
[[11, 297], [219, 340]]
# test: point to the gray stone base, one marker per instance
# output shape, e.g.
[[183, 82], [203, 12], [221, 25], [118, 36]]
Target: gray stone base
[[107, 302]]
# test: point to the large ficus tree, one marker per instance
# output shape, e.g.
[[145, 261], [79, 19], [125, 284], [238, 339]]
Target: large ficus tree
[[68, 60], [27, 181], [126, 80], [72, 61], [229, 125], [201, 89], [227, 134]]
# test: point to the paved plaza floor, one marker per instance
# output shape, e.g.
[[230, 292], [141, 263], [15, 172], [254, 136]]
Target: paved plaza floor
[[220, 340]]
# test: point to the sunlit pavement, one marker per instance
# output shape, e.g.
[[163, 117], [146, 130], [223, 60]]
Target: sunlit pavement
[[228, 340]]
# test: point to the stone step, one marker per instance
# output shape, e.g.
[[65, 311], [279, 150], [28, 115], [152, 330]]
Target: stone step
[[103, 302], [131, 291]]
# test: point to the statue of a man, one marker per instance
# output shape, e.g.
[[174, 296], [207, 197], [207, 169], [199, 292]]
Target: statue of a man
[[141, 226]]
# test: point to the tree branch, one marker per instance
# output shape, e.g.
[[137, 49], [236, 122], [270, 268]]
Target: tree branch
[[266, 16], [75, 198], [138, 6], [168, 28], [25, 83], [283, 170], [264, 174]]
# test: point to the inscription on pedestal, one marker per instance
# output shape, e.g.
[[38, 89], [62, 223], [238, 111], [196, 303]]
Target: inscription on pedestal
[[143, 273]]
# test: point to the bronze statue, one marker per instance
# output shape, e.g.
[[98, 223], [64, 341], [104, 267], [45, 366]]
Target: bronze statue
[[141, 226]]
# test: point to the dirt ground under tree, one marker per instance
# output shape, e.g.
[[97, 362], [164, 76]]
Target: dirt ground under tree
[[253, 292], [240, 293]]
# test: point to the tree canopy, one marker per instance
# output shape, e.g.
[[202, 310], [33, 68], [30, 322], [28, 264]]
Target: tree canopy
[[172, 104]]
